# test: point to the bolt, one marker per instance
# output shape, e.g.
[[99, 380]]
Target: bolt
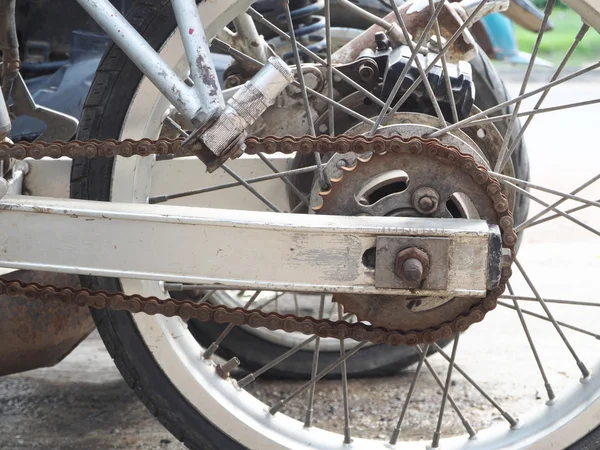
[[366, 72], [232, 81], [412, 269], [426, 203], [223, 370], [412, 265], [382, 43], [426, 200]]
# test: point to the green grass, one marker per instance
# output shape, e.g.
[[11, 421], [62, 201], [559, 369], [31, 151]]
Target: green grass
[[556, 42]]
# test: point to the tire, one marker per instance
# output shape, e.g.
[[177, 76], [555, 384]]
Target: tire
[[110, 94]]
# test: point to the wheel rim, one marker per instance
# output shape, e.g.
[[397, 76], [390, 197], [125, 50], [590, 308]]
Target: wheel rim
[[561, 423]]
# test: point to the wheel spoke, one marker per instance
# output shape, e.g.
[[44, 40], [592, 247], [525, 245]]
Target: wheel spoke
[[447, 81], [468, 427], [531, 220], [564, 195], [235, 176], [467, 23], [311, 124], [285, 179], [556, 216], [271, 300], [435, 442], [274, 176], [536, 355], [548, 300], [512, 421], [313, 373], [529, 114], [584, 371], [257, 194], [237, 54], [215, 345], [545, 319], [558, 211], [344, 371], [381, 117], [534, 52], [582, 32], [281, 404], [253, 376], [411, 46], [305, 50], [396, 432], [331, 110], [503, 105]]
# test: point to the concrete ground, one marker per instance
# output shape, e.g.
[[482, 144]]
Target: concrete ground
[[83, 403]]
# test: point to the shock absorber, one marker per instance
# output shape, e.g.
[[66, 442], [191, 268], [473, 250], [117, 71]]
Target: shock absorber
[[309, 28]]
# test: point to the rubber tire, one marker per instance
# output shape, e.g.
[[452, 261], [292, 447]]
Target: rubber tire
[[103, 114]]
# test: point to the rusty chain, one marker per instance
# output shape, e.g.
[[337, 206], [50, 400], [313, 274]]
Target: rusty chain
[[187, 309]]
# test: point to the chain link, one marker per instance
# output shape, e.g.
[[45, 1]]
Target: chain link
[[187, 309]]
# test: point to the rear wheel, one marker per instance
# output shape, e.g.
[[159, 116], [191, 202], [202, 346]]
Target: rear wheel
[[160, 358]]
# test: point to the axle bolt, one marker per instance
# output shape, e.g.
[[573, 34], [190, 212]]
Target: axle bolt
[[412, 265], [412, 269], [426, 200]]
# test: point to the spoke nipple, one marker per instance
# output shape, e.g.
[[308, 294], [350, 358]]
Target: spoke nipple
[[223, 370], [551, 395], [210, 350], [308, 418], [347, 438], [586, 375], [435, 442], [514, 423], [276, 408], [394, 438], [470, 430]]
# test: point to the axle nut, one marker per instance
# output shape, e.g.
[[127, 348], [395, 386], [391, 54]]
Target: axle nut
[[426, 200], [412, 265]]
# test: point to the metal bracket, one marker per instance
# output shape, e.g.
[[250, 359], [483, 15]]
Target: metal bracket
[[60, 127]]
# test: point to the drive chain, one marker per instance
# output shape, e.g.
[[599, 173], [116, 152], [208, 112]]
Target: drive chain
[[206, 312]]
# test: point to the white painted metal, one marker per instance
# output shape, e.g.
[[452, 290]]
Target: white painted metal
[[254, 250], [202, 70], [50, 178]]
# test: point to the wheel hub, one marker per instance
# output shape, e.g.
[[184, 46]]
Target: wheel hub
[[409, 185]]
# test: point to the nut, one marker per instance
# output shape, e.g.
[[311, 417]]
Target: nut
[[426, 200], [412, 265]]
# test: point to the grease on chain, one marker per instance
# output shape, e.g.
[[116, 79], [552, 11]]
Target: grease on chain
[[187, 309]]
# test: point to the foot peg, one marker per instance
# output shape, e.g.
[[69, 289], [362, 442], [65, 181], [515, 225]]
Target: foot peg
[[223, 136]]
